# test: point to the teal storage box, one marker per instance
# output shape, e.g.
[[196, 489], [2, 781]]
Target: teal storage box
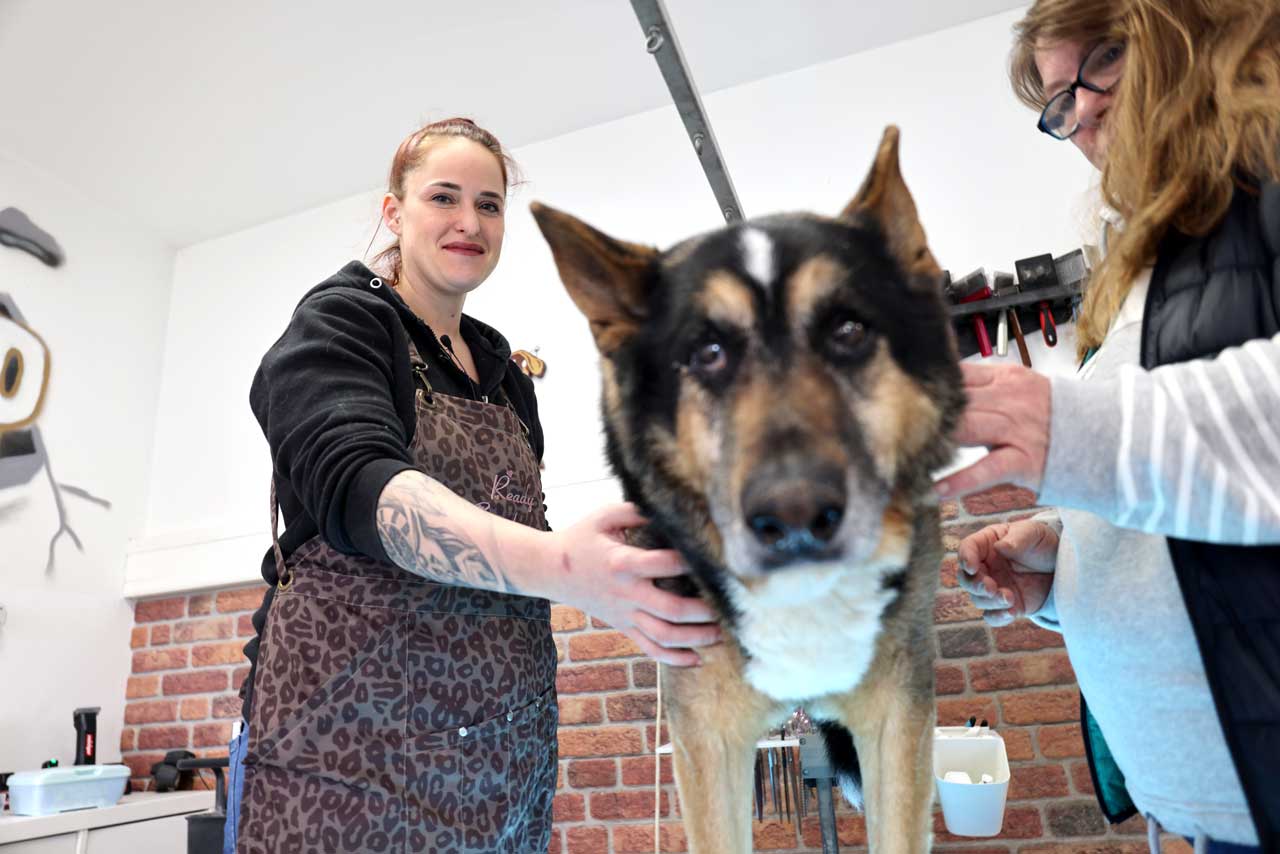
[[56, 790]]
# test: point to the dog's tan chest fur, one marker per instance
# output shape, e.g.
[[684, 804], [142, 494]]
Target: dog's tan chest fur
[[824, 644]]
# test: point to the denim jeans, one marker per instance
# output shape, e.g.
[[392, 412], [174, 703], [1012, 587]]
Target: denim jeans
[[235, 788]]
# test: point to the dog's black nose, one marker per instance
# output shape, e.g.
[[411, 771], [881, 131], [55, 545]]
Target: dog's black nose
[[795, 517]]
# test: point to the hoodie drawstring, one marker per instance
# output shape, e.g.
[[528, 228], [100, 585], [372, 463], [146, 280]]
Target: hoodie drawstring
[[1153, 834], [1153, 837]]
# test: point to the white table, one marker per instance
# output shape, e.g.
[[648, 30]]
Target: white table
[[146, 821]]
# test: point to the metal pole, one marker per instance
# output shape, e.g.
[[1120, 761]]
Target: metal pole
[[660, 40], [827, 818]]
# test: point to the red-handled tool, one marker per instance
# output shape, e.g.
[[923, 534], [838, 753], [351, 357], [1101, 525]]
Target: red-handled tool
[[1039, 272], [1048, 328], [975, 288]]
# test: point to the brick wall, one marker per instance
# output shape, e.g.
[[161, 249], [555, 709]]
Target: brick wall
[[187, 668], [188, 664]]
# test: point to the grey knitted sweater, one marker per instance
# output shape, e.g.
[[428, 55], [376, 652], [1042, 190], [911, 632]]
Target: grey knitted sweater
[[1189, 450]]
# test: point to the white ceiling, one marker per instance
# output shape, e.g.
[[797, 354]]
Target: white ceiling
[[197, 119]]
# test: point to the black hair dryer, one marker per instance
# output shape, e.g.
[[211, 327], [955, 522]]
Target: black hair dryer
[[86, 720]]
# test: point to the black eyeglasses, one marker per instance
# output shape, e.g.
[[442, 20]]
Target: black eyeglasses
[[1099, 72]]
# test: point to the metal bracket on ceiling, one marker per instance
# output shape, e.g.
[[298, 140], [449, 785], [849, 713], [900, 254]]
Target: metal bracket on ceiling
[[660, 40]]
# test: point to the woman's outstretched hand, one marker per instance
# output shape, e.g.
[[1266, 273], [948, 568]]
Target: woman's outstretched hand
[[595, 570]]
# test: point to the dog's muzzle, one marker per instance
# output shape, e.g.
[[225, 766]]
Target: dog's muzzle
[[794, 513]]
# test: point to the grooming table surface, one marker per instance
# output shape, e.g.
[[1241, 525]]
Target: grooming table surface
[[760, 745]]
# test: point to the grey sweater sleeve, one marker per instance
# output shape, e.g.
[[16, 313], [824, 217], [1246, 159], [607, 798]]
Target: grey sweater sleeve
[[1047, 616], [1190, 450]]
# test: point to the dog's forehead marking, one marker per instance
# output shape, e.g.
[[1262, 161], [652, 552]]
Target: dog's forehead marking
[[811, 283], [727, 299], [758, 255]]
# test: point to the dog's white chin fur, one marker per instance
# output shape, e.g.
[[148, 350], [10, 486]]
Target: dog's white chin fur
[[810, 629], [801, 582], [818, 641]]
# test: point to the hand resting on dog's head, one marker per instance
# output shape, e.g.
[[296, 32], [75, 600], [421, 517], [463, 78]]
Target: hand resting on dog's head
[[1008, 412]]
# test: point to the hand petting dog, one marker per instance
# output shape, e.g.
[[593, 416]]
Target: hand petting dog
[[1008, 412], [615, 584], [1007, 569]]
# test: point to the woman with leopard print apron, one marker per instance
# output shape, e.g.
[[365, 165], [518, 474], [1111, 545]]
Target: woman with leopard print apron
[[396, 714], [402, 693]]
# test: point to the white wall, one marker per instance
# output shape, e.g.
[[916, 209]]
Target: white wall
[[102, 314], [990, 189]]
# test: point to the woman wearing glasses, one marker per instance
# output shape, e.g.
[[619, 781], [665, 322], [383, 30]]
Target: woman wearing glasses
[[1161, 565]]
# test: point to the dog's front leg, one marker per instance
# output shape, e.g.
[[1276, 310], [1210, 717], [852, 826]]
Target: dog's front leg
[[891, 716], [715, 719]]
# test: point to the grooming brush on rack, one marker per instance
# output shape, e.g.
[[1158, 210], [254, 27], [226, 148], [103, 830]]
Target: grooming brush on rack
[[1039, 273], [974, 288], [1007, 286], [1074, 270]]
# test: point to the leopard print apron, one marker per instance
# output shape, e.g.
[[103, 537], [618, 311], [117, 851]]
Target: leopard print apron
[[395, 714]]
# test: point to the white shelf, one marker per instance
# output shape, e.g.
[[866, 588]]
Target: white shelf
[[209, 560], [142, 806]]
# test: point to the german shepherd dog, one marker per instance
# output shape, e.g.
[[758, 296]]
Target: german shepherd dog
[[775, 396]]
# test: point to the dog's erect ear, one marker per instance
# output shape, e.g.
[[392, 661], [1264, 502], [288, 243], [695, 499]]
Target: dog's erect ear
[[885, 199], [607, 279]]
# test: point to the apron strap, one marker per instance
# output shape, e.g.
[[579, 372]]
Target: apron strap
[[281, 571]]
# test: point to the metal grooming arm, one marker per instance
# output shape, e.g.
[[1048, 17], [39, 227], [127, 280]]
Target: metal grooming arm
[[660, 40], [817, 769]]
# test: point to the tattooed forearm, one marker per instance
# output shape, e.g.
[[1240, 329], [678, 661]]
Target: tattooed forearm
[[421, 537]]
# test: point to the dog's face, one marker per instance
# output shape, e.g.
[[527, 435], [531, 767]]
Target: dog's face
[[775, 392]]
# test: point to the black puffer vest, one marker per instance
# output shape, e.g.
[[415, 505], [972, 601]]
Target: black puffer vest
[[1207, 294]]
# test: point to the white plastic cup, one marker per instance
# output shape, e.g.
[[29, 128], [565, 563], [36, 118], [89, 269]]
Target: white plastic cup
[[970, 808]]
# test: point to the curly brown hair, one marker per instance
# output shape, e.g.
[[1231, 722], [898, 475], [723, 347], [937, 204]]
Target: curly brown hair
[[1196, 116]]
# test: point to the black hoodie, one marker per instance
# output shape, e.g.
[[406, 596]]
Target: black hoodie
[[335, 398]]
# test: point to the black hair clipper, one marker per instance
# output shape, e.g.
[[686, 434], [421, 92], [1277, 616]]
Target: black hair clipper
[[86, 720]]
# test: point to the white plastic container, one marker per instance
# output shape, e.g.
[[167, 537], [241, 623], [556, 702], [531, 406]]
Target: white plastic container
[[975, 808], [55, 790]]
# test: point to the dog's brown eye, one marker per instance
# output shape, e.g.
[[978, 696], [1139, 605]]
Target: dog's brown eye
[[709, 358], [848, 336]]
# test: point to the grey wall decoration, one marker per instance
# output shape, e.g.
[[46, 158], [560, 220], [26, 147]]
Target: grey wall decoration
[[24, 379], [17, 230], [24, 370]]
